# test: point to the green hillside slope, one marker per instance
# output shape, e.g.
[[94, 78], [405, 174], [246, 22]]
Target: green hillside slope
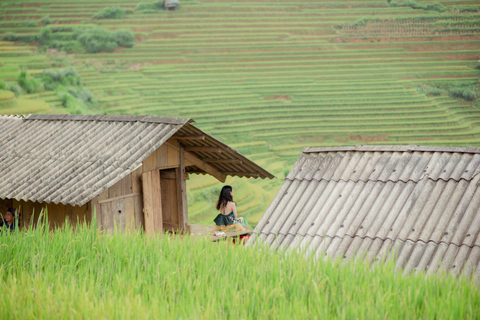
[[270, 77]]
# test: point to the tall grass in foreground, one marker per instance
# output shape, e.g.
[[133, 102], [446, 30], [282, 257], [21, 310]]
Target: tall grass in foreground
[[83, 273]]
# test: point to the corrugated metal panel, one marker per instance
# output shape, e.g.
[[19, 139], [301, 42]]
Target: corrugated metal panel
[[420, 204], [70, 159]]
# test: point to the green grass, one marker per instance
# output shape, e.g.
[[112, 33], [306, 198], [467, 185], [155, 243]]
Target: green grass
[[83, 273]]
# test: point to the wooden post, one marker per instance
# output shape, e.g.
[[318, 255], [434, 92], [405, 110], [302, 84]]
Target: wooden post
[[182, 218], [152, 202]]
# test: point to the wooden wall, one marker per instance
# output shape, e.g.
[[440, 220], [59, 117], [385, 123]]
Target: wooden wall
[[122, 205], [28, 212]]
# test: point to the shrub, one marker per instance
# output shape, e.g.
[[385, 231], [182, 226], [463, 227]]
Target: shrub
[[468, 9], [124, 38], [30, 85], [101, 40], [360, 22], [3, 85], [110, 13], [61, 28], [463, 93], [31, 24], [27, 38], [45, 36], [10, 36], [73, 104], [96, 40], [46, 20], [67, 46], [434, 92], [414, 5], [149, 7], [82, 94], [15, 88], [436, 7], [52, 79]]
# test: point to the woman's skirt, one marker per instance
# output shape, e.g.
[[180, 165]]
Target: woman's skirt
[[223, 220]]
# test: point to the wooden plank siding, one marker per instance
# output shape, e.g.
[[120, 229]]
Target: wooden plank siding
[[129, 214]]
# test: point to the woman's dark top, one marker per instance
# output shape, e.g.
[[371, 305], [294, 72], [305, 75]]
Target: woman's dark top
[[4, 225]]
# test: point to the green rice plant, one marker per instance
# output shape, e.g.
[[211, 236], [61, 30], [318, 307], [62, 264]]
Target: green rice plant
[[78, 270]]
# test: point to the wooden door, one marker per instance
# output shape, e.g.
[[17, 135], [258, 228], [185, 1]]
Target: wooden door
[[152, 202], [170, 200]]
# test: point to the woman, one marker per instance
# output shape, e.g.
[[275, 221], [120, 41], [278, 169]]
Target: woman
[[9, 219], [227, 208]]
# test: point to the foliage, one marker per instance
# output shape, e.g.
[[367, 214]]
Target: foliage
[[45, 37], [110, 13], [10, 36], [124, 38], [101, 40], [467, 9], [46, 20], [90, 39], [52, 79], [30, 85], [15, 88], [67, 46], [415, 5], [434, 92], [149, 7], [85, 272], [359, 23], [31, 23], [463, 92], [81, 93]]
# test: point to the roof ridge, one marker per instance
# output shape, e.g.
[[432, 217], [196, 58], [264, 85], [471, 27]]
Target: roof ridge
[[104, 117], [393, 148]]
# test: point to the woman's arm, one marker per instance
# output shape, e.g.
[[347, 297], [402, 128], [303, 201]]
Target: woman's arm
[[234, 209]]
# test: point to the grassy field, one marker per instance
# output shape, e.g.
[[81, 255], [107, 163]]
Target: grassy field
[[269, 76], [78, 274]]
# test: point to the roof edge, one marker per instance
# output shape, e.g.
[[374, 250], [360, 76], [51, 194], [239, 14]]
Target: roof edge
[[394, 148]]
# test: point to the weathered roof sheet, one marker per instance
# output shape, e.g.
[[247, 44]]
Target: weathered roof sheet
[[421, 204], [70, 159]]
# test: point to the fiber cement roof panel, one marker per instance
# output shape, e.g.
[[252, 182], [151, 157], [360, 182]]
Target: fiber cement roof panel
[[373, 200]]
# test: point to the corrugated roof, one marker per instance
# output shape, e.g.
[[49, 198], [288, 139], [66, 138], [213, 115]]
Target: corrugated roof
[[70, 159], [228, 161], [421, 204]]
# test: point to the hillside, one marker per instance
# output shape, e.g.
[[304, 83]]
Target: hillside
[[267, 77]]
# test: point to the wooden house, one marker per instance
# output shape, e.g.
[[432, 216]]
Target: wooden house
[[419, 205], [129, 170]]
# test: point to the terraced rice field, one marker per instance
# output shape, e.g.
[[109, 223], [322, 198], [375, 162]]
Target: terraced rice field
[[270, 77]]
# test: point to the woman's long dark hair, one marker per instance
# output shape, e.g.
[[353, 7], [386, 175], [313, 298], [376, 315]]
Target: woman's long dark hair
[[225, 197]]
